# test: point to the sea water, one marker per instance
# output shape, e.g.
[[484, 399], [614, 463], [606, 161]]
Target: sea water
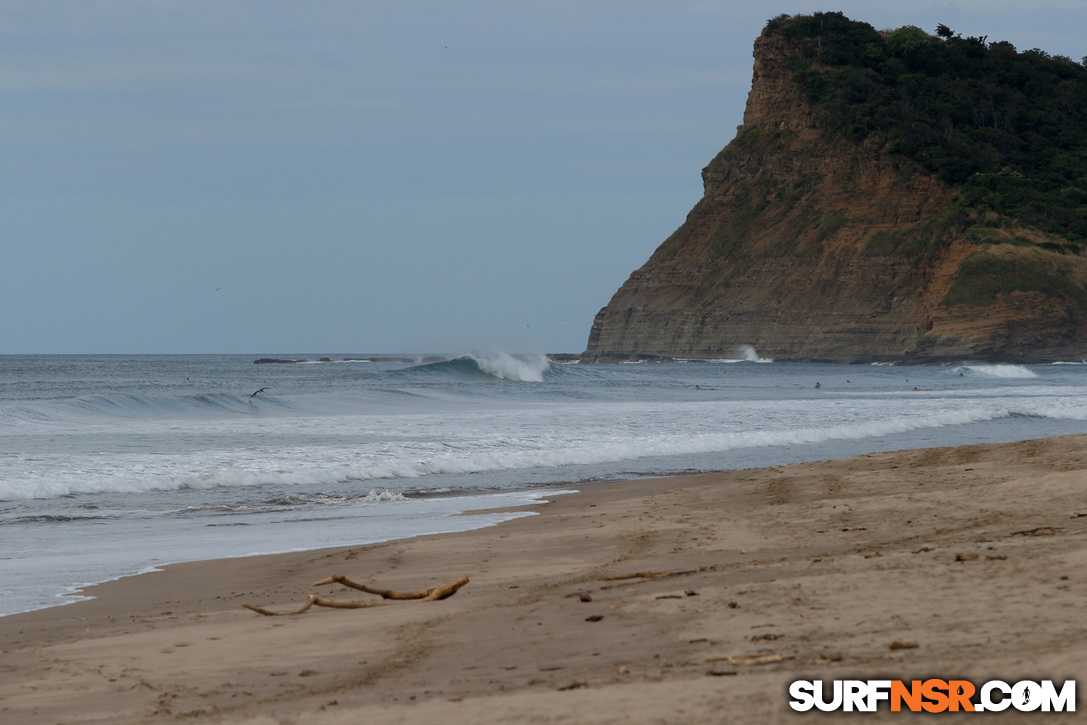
[[115, 465]]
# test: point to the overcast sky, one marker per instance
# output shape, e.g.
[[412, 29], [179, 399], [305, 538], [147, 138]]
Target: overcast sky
[[332, 176]]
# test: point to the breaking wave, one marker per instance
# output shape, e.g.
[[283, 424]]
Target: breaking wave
[[748, 354], [532, 368], [1002, 371]]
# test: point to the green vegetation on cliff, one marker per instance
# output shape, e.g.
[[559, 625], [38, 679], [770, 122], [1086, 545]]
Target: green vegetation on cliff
[[985, 276], [1007, 128]]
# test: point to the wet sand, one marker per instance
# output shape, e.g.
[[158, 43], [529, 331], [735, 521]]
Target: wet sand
[[977, 555]]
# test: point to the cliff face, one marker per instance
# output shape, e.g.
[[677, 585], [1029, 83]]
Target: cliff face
[[810, 247]]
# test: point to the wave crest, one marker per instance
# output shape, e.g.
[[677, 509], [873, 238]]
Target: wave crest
[[748, 354], [523, 368], [1003, 371]]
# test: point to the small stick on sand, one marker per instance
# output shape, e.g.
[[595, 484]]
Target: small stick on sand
[[646, 575], [340, 604]]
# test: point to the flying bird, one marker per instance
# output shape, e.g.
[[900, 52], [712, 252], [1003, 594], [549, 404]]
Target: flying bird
[[255, 394]]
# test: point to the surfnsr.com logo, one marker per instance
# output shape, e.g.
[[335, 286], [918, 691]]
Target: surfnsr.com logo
[[932, 696]]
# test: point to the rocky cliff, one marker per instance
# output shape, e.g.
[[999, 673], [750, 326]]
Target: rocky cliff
[[810, 244]]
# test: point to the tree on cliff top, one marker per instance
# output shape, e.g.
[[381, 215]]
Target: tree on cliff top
[[1008, 128]]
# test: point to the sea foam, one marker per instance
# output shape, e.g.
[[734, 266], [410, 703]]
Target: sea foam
[[390, 448], [1003, 371], [520, 368]]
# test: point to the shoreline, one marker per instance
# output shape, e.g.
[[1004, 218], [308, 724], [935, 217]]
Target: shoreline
[[451, 521], [974, 554]]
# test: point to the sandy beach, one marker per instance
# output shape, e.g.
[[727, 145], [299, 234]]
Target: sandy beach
[[973, 560]]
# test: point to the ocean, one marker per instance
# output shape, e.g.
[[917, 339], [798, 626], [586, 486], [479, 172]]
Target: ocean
[[116, 465]]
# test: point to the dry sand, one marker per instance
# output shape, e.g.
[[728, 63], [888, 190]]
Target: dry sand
[[976, 554]]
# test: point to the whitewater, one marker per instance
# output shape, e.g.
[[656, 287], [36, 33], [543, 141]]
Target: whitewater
[[115, 465]]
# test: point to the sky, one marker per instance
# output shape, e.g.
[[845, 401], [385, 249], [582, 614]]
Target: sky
[[333, 176]]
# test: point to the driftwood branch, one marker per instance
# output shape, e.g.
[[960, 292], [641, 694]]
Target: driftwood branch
[[315, 601], [269, 613], [445, 590], [427, 595]]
